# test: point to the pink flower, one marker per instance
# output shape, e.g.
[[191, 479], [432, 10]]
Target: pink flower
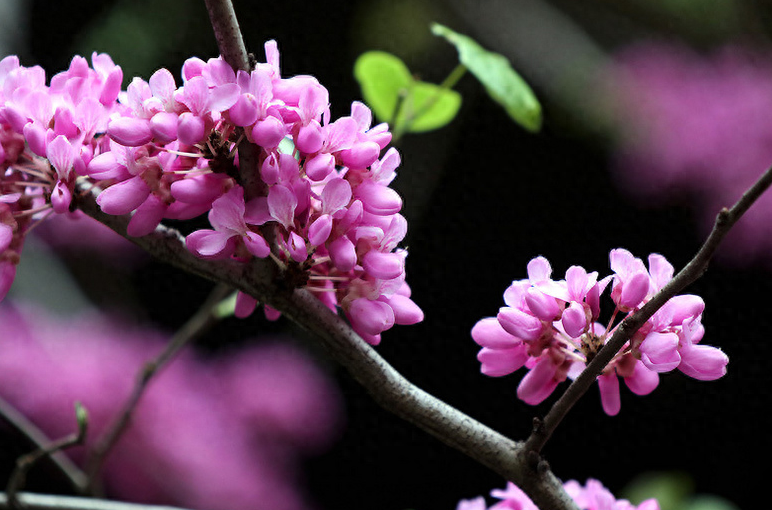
[[172, 153], [550, 328], [230, 228], [593, 496]]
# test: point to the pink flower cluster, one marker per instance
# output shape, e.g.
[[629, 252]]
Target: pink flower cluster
[[551, 328], [223, 433], [696, 126], [593, 496], [320, 205]]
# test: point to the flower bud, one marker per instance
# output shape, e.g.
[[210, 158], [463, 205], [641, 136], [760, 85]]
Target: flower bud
[[520, 324]]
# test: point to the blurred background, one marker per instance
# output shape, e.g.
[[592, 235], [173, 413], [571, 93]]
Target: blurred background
[[657, 113]]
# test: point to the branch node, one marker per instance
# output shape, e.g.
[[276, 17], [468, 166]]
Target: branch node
[[533, 459], [723, 217]]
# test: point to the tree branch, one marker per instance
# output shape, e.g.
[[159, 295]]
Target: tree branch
[[200, 322], [31, 501], [261, 279], [25, 462], [725, 219], [234, 52], [34, 435], [228, 34]]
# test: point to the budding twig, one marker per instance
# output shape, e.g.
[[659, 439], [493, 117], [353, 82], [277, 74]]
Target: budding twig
[[35, 436], [696, 267], [25, 462]]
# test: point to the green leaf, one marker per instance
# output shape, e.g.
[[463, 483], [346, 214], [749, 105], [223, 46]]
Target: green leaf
[[501, 82], [389, 88], [383, 79], [430, 106], [708, 502], [226, 307], [670, 489], [81, 415], [287, 146]]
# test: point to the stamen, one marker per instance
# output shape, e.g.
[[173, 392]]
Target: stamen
[[33, 172], [25, 184], [38, 222], [563, 338], [329, 278], [236, 144], [278, 261], [624, 351], [613, 316], [192, 171], [31, 212], [320, 289], [320, 260], [183, 154], [574, 355]]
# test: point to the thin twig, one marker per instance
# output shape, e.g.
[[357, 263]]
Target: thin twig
[[25, 462], [201, 321], [725, 219], [31, 501], [36, 436]]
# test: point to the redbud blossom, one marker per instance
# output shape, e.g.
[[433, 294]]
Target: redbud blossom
[[593, 496], [158, 151], [551, 328]]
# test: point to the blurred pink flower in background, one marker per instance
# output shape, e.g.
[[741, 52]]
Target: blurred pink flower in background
[[226, 434], [697, 126]]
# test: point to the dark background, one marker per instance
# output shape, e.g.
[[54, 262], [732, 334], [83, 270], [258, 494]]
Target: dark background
[[482, 197]]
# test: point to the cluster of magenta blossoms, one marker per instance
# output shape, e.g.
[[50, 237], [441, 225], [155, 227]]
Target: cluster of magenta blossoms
[[319, 203], [551, 327], [593, 496]]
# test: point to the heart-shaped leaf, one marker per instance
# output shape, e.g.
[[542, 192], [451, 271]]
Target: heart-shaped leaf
[[428, 106], [389, 89], [501, 82], [383, 79]]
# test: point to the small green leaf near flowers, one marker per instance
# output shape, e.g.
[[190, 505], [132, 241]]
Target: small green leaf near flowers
[[81, 415], [390, 91], [494, 71], [226, 307]]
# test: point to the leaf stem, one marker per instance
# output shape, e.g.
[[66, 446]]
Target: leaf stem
[[455, 75], [412, 115]]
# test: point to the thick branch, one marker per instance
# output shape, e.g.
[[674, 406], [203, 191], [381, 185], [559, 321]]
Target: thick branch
[[260, 280], [725, 219]]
